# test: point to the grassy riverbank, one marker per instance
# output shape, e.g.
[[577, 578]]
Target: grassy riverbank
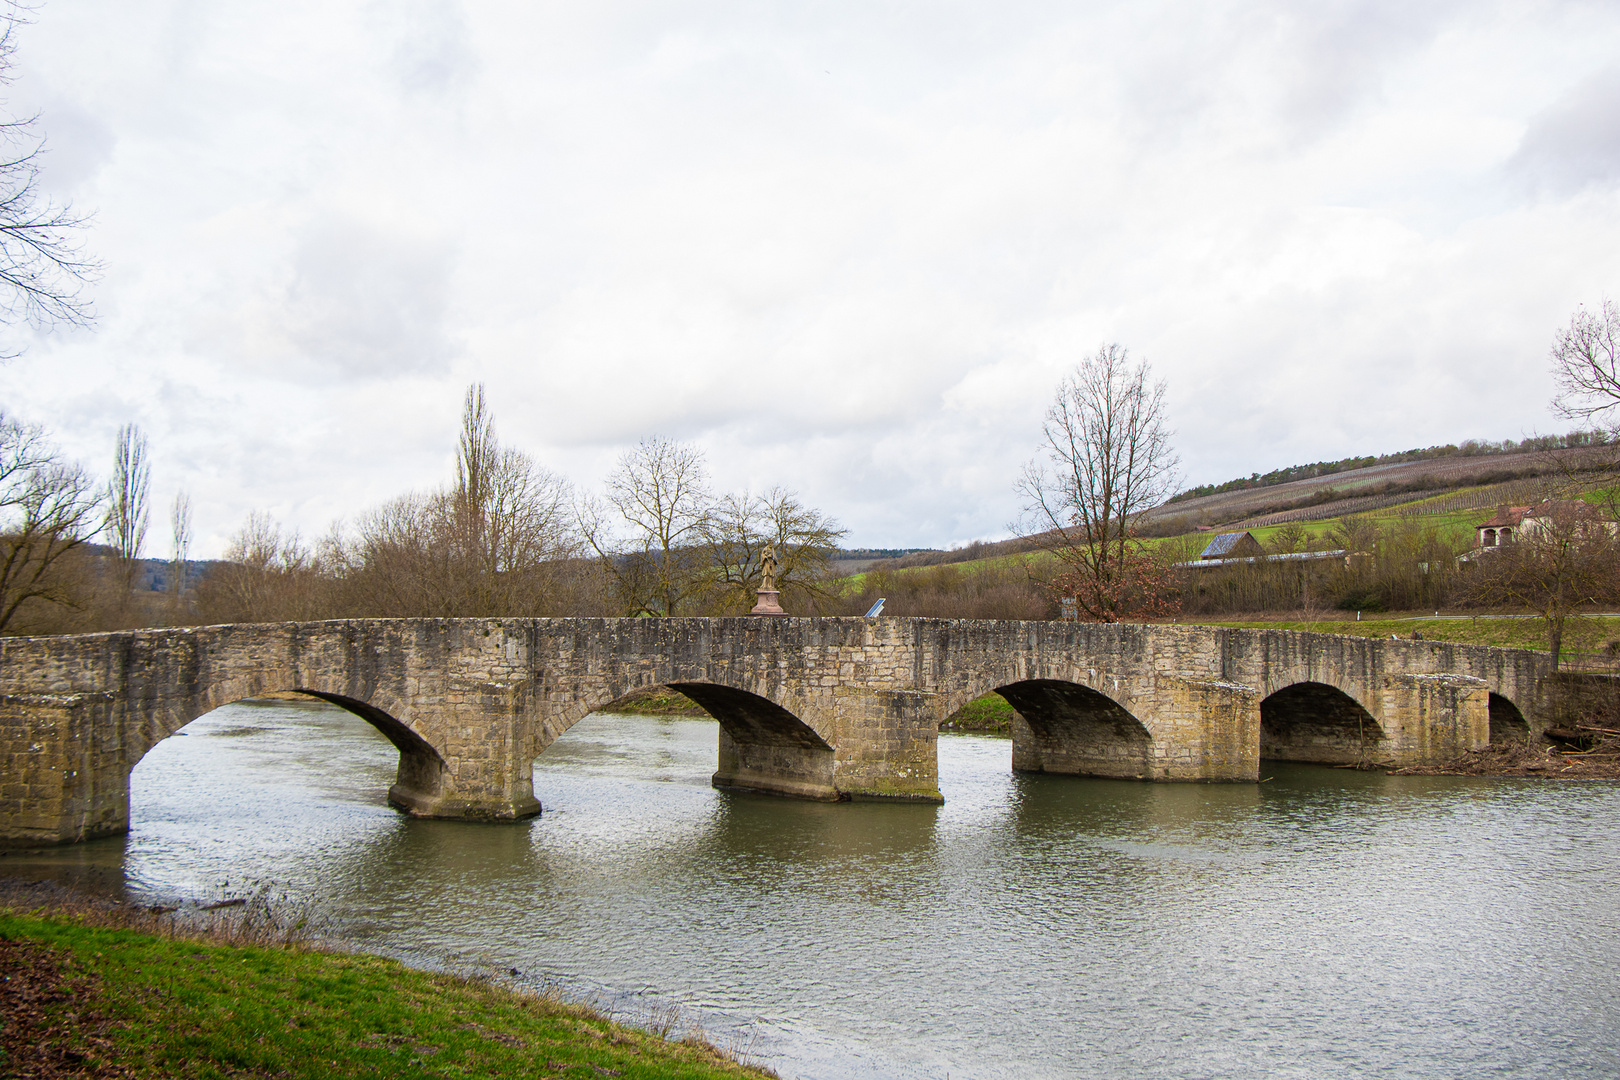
[[84, 996]]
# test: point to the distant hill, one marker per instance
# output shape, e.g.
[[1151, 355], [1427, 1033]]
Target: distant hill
[[854, 560], [1439, 479], [1476, 481], [1472, 448], [153, 574]]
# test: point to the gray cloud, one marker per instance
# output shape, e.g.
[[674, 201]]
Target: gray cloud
[[77, 145], [431, 53], [1575, 143]]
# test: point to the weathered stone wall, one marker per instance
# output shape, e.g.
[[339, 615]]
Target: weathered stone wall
[[814, 708]]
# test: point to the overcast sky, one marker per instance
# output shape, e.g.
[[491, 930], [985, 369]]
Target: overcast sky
[[845, 248]]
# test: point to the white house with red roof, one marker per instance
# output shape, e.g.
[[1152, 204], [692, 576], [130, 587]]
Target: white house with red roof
[[1511, 523]]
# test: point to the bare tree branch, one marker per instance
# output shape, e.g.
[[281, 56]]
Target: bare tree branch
[[740, 527], [43, 268], [660, 492], [127, 510]]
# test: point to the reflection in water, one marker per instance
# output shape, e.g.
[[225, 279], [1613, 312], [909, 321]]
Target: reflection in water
[[1324, 923]]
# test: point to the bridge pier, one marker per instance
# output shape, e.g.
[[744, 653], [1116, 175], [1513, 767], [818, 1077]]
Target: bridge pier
[[487, 790], [1172, 729], [62, 782], [888, 744], [763, 747], [1433, 717]]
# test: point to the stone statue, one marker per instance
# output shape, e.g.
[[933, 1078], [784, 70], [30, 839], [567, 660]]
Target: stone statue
[[767, 569], [767, 604]]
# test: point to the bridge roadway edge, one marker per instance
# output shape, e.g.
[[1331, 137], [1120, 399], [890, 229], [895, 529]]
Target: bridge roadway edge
[[823, 708]]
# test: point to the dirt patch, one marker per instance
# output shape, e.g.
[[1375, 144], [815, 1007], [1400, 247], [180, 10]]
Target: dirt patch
[[50, 1022]]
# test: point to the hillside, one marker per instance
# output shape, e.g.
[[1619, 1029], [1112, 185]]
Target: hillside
[[1438, 481], [1470, 482], [1414, 516]]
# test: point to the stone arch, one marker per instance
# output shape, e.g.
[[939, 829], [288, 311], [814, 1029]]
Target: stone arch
[[764, 747], [418, 782], [1317, 722], [1068, 727], [1507, 722], [420, 777]]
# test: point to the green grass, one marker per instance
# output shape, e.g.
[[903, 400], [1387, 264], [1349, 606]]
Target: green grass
[[181, 1008], [656, 701], [988, 713]]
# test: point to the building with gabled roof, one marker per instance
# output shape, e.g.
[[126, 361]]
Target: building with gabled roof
[[1525, 522], [1233, 545]]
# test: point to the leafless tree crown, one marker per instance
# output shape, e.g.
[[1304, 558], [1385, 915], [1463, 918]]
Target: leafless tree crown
[[180, 533], [48, 508], [1106, 452], [648, 529], [1586, 363], [127, 510], [740, 527], [43, 267], [493, 544], [669, 546], [1105, 457]]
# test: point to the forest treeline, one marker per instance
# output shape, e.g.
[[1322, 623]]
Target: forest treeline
[[504, 536]]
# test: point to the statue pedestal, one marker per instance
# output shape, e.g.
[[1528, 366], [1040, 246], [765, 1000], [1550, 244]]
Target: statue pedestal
[[767, 604]]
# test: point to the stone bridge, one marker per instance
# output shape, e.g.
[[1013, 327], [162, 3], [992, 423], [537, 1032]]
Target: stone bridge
[[844, 708]]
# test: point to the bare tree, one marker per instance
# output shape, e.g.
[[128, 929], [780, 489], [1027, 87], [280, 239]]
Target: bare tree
[[180, 532], [1106, 458], [739, 528], [43, 270], [48, 508], [1586, 364], [127, 510], [658, 495], [496, 543], [476, 452], [1289, 539], [265, 576]]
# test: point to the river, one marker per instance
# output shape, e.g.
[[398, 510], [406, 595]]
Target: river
[[1323, 923]]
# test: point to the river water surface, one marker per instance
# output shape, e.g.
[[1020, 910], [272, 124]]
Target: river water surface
[[1324, 923]]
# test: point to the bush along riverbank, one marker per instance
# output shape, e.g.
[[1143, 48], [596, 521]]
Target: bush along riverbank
[[990, 714], [657, 701], [97, 989]]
